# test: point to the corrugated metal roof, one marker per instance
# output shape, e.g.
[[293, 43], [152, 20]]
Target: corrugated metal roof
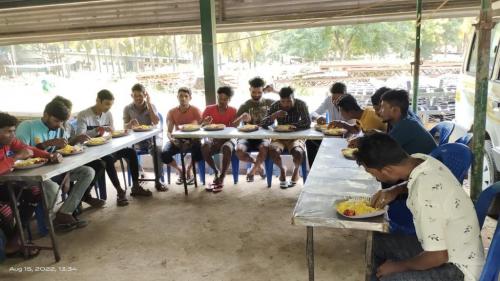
[[51, 20]]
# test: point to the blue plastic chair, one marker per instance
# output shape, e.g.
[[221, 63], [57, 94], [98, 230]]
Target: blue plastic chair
[[269, 168], [492, 265], [444, 129], [465, 139], [456, 156], [235, 166]]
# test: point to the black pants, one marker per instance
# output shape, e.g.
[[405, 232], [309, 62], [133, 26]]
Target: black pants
[[312, 147], [129, 155], [99, 167]]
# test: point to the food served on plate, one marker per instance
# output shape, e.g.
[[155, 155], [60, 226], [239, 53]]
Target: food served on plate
[[119, 133], [141, 128], [190, 127], [214, 127], [356, 207], [97, 141], [349, 152], [335, 132], [284, 128], [248, 128], [30, 162], [69, 149], [321, 128]]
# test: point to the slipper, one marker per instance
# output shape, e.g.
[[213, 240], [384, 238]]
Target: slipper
[[121, 201], [292, 184], [179, 181], [284, 184], [190, 181], [20, 254], [217, 187], [209, 187], [139, 191], [161, 187], [250, 178], [66, 227]]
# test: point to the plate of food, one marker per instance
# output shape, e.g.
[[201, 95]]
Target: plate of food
[[334, 132], [248, 128], [284, 128], [349, 153], [30, 163], [71, 150], [357, 208], [214, 127], [190, 127], [320, 128], [119, 133], [142, 128], [96, 141]]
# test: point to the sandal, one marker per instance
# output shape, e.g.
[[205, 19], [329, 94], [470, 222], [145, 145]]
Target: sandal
[[190, 181], [140, 191], [284, 184], [121, 201], [179, 181], [19, 253], [217, 187], [161, 187], [292, 184]]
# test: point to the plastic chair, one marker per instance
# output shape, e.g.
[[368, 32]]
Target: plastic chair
[[456, 156], [491, 267], [465, 139], [235, 166], [269, 168], [444, 129]]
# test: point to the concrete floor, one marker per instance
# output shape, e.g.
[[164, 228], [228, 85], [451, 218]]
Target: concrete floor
[[242, 233]]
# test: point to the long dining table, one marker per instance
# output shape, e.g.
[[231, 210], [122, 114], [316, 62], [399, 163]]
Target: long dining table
[[39, 175]]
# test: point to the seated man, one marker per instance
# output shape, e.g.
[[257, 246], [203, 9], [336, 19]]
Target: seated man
[[329, 106], [12, 149], [177, 117], [288, 111], [366, 119], [98, 165], [252, 112], [220, 113], [448, 244], [143, 112], [96, 120], [376, 99]]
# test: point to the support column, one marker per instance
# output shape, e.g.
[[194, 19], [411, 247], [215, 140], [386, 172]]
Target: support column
[[208, 38], [481, 97], [416, 62]]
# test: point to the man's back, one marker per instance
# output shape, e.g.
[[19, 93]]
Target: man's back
[[412, 137]]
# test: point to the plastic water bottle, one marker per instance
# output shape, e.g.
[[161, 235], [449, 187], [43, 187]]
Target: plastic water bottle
[[327, 117]]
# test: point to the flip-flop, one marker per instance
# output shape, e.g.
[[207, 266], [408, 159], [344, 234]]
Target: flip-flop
[[20, 254], [209, 187], [121, 201], [284, 184], [250, 178], [218, 187]]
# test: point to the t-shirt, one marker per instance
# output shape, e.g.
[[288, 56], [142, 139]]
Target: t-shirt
[[131, 112], [88, 121], [7, 152], [370, 121], [178, 118], [225, 118], [328, 106], [444, 216], [256, 109], [33, 132], [412, 136]]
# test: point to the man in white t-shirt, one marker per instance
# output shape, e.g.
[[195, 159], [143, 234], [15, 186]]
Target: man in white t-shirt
[[448, 244]]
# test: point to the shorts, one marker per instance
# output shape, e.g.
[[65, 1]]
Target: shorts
[[289, 145], [184, 145], [253, 144], [216, 145]]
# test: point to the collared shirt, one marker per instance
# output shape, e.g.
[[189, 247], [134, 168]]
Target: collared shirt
[[328, 106], [412, 136], [88, 121], [444, 216], [298, 115], [7, 152], [256, 109], [131, 112], [33, 132]]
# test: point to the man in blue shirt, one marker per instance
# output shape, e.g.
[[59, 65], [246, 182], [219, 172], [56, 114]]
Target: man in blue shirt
[[376, 99], [46, 134], [413, 138]]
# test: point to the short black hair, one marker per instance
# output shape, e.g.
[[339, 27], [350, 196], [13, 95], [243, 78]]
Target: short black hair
[[338, 88], [64, 101], [348, 103], [286, 92], [399, 98], [379, 150], [7, 120], [105, 95], [226, 90], [257, 82], [139, 88], [378, 95], [57, 109], [184, 90]]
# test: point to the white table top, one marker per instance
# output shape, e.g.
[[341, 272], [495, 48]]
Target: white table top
[[333, 177], [71, 162], [231, 132]]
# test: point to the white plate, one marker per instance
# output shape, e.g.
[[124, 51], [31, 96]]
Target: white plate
[[364, 216], [91, 144], [31, 167], [69, 154]]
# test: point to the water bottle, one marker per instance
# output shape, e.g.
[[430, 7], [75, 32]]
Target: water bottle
[[327, 117]]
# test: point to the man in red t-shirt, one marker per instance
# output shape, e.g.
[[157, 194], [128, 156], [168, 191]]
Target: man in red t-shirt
[[178, 116], [220, 113]]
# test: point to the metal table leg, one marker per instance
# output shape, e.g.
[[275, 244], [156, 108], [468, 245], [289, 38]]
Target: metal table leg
[[155, 162], [194, 172], [369, 255], [19, 224], [46, 210], [310, 252], [184, 173]]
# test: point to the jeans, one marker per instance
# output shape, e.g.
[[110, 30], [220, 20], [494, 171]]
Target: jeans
[[82, 176]]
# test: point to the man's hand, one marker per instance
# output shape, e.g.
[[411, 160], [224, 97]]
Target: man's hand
[[389, 267], [102, 130], [58, 143], [23, 154], [245, 117], [280, 114], [383, 197], [133, 123], [336, 124], [321, 120], [55, 158], [148, 98], [82, 138], [207, 120]]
